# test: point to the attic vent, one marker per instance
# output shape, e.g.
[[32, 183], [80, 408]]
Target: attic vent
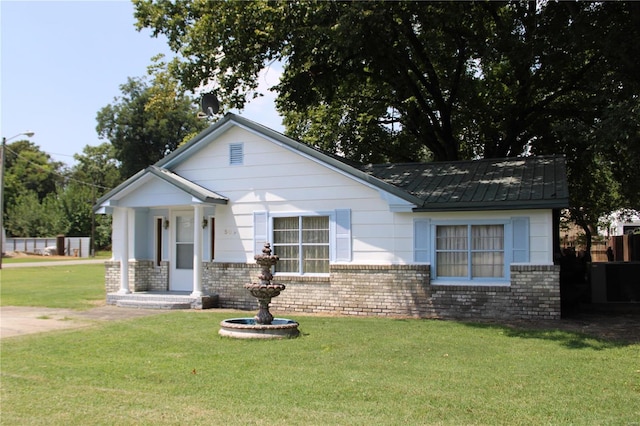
[[236, 154]]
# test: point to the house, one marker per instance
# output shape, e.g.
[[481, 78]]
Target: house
[[472, 239]]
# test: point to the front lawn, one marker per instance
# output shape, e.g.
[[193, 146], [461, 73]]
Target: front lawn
[[62, 286], [175, 369]]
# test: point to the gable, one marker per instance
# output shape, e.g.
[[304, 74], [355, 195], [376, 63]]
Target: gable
[[155, 187], [275, 163]]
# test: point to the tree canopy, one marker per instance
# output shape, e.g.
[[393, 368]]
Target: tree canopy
[[149, 120], [412, 81]]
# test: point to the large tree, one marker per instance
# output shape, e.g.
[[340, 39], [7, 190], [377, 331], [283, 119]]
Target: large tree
[[408, 81], [462, 78], [149, 120]]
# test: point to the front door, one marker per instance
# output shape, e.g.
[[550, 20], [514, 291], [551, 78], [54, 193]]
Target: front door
[[182, 253]]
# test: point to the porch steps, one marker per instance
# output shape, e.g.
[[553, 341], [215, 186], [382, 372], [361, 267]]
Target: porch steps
[[152, 304], [161, 300]]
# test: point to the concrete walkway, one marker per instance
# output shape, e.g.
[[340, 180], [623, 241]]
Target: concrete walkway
[[52, 263]]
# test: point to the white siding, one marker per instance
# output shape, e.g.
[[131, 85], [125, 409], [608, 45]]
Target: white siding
[[155, 193], [275, 179]]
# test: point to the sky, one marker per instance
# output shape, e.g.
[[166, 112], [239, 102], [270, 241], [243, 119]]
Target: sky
[[62, 61]]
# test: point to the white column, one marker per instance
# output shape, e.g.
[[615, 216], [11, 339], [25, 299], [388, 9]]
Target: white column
[[197, 250], [124, 252]]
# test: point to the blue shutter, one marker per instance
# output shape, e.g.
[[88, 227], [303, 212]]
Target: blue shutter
[[343, 235], [259, 231], [421, 240], [520, 239]]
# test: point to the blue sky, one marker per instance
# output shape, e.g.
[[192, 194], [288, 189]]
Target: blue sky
[[62, 61]]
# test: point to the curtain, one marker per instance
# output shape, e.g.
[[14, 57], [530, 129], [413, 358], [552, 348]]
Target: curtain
[[487, 245], [452, 251], [307, 236], [476, 251]]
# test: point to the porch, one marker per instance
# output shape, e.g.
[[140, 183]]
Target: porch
[[163, 300]]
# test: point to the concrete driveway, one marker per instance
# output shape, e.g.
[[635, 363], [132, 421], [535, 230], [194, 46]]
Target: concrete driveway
[[21, 320]]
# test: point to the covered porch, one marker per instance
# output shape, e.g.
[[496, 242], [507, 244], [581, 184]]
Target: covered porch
[[163, 231]]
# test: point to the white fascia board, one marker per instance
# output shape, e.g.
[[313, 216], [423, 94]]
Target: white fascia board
[[396, 204]]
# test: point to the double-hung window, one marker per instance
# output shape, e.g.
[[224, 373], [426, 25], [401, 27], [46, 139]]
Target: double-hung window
[[302, 244], [470, 251]]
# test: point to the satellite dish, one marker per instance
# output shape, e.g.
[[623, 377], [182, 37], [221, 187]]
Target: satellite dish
[[210, 104]]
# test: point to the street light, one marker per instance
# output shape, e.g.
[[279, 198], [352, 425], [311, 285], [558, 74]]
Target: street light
[[2, 154]]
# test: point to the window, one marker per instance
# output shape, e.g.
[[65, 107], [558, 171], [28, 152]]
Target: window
[[470, 251], [236, 154], [302, 243]]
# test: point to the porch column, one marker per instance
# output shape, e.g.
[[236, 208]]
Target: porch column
[[198, 211], [124, 252]]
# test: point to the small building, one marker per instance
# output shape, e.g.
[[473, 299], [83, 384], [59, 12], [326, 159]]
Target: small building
[[471, 239]]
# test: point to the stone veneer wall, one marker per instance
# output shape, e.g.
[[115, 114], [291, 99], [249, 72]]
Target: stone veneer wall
[[143, 276], [369, 290]]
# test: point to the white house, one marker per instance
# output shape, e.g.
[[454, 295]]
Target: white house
[[454, 239]]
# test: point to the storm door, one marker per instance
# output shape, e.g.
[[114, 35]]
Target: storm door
[[182, 256]]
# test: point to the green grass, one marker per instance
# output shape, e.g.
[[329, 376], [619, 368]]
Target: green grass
[[37, 259], [63, 286], [174, 369]]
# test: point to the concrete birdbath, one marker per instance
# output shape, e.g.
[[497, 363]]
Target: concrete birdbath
[[263, 325]]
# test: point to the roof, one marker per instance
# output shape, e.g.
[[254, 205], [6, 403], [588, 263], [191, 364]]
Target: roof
[[494, 184], [500, 184], [196, 191]]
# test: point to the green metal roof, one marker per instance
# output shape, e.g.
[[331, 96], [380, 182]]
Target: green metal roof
[[505, 183]]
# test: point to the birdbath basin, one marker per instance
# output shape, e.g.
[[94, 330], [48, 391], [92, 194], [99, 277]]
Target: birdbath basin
[[263, 325]]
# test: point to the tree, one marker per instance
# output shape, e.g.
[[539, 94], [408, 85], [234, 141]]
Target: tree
[[30, 176], [27, 168], [148, 121], [409, 81], [463, 79], [30, 217]]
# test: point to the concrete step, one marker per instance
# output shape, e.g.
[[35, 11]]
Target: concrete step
[[152, 304]]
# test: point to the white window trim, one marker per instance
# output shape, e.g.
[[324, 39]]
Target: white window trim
[[332, 238], [480, 282]]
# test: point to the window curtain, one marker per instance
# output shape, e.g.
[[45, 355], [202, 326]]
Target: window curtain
[[452, 251], [315, 244], [483, 258], [487, 246], [306, 235], [286, 242]]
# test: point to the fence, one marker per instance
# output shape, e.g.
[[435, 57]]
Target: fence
[[73, 246]]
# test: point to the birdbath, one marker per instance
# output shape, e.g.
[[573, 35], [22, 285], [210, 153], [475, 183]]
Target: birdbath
[[265, 290], [263, 325]]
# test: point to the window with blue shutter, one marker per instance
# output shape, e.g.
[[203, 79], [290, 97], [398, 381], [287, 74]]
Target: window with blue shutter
[[260, 231], [343, 236], [520, 243], [421, 240]]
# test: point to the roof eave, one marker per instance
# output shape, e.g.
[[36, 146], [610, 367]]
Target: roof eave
[[525, 205]]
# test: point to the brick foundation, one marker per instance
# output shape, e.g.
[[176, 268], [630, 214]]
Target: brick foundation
[[143, 276], [370, 290]]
